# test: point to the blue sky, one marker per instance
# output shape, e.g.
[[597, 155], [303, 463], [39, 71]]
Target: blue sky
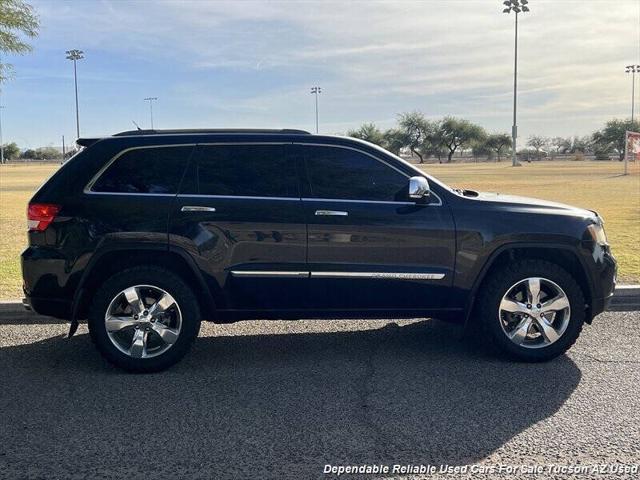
[[251, 64]]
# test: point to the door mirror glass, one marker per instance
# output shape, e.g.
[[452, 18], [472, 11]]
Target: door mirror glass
[[419, 187]]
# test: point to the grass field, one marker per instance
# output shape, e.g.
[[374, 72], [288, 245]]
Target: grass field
[[594, 185]]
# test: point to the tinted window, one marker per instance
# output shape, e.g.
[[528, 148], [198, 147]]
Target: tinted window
[[347, 174], [245, 170], [145, 170]]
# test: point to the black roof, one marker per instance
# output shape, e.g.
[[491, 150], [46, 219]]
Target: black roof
[[85, 142], [285, 131]]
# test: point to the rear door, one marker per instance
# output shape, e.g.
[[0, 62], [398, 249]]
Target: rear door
[[240, 215], [130, 198], [370, 246]]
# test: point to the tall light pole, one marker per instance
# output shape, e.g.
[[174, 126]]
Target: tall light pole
[[516, 6], [150, 100], [632, 69], [76, 55], [316, 91]]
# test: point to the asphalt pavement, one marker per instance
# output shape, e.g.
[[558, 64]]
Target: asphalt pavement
[[284, 399]]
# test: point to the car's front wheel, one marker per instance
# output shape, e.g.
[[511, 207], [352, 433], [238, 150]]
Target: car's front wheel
[[531, 310], [144, 319]]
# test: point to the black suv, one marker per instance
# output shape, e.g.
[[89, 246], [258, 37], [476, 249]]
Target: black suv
[[145, 233]]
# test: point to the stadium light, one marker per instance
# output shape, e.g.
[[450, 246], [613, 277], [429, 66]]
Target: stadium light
[[150, 100], [76, 55], [316, 91], [632, 69], [516, 6]]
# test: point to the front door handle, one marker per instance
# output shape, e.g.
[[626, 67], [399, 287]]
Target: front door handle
[[331, 213], [197, 208]]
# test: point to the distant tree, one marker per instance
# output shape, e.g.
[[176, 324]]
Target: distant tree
[[601, 152], [48, 153], [29, 154], [368, 132], [416, 131], [70, 153], [582, 145], [435, 144], [17, 20], [561, 144], [395, 140], [538, 143], [481, 149], [498, 143], [459, 133], [11, 151], [612, 136]]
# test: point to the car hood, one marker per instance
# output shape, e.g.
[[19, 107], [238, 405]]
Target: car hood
[[533, 205]]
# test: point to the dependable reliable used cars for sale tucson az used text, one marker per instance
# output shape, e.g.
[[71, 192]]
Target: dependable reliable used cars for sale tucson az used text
[[146, 233]]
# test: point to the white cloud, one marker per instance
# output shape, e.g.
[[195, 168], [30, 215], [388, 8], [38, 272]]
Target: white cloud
[[375, 59]]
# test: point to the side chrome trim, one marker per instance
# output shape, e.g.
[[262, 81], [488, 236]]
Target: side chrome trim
[[331, 213], [210, 144], [382, 202], [380, 275], [235, 197], [197, 208], [307, 274], [91, 192], [269, 274]]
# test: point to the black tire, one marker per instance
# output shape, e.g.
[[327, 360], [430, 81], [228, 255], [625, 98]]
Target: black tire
[[144, 275], [496, 286]]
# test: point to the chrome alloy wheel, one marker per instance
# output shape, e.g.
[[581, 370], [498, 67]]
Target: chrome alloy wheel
[[143, 321], [534, 312]]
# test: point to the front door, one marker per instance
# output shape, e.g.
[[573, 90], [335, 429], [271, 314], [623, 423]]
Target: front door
[[239, 214], [369, 246]]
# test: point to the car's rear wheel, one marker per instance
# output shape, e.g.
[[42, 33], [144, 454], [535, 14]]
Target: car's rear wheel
[[531, 310], [144, 319]]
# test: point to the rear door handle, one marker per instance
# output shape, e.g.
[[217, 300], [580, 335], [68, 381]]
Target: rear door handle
[[331, 213], [197, 208]]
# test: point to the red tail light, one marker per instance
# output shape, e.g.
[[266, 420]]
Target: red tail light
[[40, 215]]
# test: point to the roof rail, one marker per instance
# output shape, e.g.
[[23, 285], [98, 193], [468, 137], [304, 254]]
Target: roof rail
[[211, 130]]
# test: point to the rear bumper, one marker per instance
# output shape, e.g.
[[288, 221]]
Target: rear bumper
[[45, 275]]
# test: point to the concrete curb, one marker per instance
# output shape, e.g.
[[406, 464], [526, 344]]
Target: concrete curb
[[627, 297], [11, 306], [627, 290]]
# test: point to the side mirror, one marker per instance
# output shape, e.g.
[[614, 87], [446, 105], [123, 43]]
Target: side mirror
[[419, 187]]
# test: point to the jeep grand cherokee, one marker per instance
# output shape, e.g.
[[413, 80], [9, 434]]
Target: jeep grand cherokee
[[145, 233]]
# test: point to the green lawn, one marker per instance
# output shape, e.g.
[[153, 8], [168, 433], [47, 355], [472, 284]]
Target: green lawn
[[594, 185]]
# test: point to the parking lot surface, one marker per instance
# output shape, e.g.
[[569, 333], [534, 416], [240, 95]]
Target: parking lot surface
[[283, 399]]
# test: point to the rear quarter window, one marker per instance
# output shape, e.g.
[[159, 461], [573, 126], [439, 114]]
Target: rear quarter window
[[150, 170]]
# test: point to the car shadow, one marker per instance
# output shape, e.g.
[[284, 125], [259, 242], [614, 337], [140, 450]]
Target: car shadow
[[273, 406]]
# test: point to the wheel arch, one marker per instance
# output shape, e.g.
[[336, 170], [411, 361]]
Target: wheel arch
[[562, 255], [112, 259]]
